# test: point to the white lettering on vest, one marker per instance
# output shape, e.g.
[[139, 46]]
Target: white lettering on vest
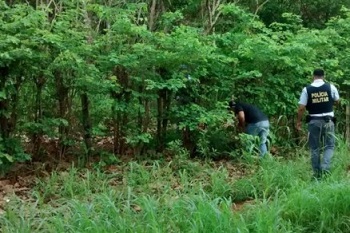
[[319, 97]]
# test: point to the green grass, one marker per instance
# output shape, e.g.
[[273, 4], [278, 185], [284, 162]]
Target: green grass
[[185, 195]]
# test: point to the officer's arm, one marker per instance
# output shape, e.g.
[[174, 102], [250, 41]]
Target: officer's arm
[[336, 102], [301, 110], [335, 95], [241, 119]]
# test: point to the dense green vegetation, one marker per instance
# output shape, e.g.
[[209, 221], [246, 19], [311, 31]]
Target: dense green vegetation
[[98, 81], [148, 73]]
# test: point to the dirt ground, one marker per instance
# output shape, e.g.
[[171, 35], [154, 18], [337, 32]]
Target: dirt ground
[[19, 182]]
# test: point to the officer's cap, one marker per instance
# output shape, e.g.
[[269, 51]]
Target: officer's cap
[[319, 72]]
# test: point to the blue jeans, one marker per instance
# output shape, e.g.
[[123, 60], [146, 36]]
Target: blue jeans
[[260, 129], [321, 137]]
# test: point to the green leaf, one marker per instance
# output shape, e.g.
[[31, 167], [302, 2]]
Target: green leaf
[[3, 95], [7, 156]]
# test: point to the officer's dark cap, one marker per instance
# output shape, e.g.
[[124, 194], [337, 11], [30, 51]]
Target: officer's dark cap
[[319, 72]]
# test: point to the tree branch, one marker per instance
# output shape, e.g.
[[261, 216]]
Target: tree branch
[[213, 14], [259, 7], [152, 15]]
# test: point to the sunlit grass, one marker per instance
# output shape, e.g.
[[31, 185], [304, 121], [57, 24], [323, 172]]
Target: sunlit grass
[[183, 195]]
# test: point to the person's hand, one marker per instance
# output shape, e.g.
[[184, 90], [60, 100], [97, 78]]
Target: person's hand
[[298, 126]]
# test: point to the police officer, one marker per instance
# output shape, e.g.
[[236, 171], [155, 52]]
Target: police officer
[[253, 121], [318, 99]]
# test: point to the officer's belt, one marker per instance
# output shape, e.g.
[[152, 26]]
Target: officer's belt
[[325, 118]]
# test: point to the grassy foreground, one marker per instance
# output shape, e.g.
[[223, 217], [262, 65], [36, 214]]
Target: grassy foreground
[[276, 195]]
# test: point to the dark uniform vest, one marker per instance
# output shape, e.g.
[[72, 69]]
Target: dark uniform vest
[[319, 99]]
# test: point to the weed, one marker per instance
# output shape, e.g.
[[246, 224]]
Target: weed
[[186, 195]]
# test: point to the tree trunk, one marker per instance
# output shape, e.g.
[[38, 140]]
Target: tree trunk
[[14, 105], [165, 121], [147, 119], [124, 121], [163, 104], [4, 105], [62, 96], [87, 126], [143, 119], [152, 15], [120, 116], [160, 108], [4, 120], [8, 109], [115, 118], [85, 103], [37, 135], [119, 126]]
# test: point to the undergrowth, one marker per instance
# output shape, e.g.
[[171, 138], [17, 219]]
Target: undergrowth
[[187, 195]]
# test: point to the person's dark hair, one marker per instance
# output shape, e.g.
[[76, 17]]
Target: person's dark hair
[[232, 104], [318, 72]]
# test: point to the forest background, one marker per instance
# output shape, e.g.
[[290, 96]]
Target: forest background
[[113, 115], [110, 78]]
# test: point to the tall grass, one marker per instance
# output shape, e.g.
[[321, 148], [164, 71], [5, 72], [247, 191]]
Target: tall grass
[[188, 196]]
